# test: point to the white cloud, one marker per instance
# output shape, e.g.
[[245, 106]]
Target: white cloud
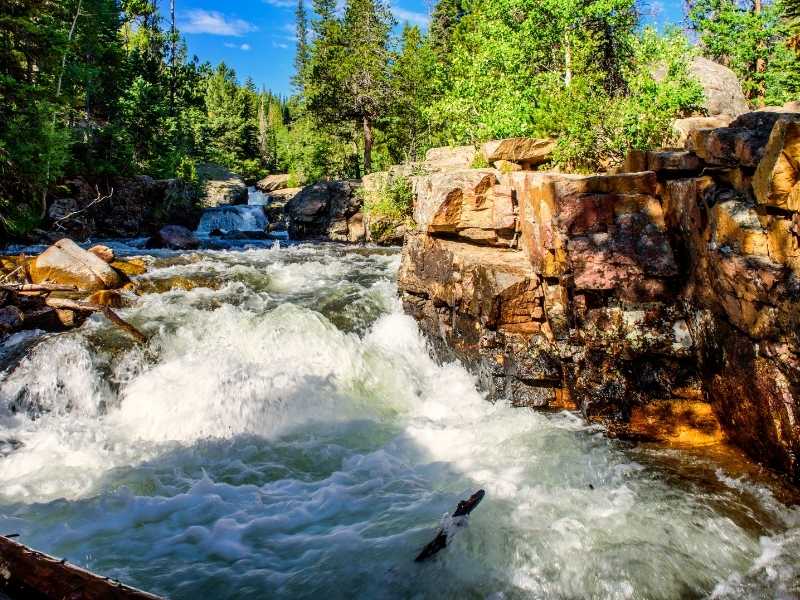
[[409, 16], [244, 46], [214, 23], [280, 45], [281, 3]]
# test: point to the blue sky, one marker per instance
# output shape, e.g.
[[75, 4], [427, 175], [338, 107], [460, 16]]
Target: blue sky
[[257, 37]]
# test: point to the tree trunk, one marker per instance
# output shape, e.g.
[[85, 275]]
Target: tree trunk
[[27, 573], [761, 64], [58, 94], [567, 61], [367, 145], [172, 58]]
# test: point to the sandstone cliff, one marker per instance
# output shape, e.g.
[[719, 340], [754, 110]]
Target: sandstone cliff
[[676, 282]]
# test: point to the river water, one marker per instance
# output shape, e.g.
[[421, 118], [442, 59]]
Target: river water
[[286, 433]]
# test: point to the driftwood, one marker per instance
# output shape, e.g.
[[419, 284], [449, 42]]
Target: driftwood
[[457, 519], [26, 573], [88, 307], [38, 287]]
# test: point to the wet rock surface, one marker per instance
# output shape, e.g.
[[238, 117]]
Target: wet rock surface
[[636, 296]]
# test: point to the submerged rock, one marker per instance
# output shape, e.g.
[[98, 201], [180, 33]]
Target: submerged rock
[[174, 237]]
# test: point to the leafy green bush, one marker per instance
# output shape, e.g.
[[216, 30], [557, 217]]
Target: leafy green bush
[[394, 201]]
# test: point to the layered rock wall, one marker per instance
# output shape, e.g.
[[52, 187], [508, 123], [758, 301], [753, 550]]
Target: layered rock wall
[[674, 283]]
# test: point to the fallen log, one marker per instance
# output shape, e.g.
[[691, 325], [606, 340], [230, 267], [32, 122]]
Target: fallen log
[[27, 573], [78, 306], [38, 287], [450, 524]]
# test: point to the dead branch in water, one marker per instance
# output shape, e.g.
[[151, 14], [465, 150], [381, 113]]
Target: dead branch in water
[[88, 307], [26, 573]]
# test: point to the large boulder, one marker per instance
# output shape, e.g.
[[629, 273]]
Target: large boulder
[[175, 237], [722, 90], [449, 157], [529, 152], [682, 128], [67, 263], [777, 178], [222, 187], [324, 210], [271, 183]]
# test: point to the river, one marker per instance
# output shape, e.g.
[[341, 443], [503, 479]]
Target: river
[[286, 433]]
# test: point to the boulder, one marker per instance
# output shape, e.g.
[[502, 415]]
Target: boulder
[[322, 210], [102, 252], [722, 90], [441, 197], [777, 178], [529, 152], [271, 183], [175, 237], [449, 158], [222, 187], [682, 128], [67, 263]]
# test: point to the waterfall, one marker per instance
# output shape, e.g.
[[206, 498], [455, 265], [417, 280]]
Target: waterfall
[[232, 218], [256, 197]]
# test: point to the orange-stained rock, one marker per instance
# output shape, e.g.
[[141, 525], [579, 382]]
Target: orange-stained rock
[[110, 298], [67, 263], [440, 197], [130, 267], [683, 128], [735, 225], [528, 151], [777, 179], [102, 252]]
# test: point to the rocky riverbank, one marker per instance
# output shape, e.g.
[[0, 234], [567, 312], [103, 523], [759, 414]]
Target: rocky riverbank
[[62, 286], [660, 298]]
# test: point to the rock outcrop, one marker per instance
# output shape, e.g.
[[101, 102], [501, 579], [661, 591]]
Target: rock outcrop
[[526, 152], [658, 291], [272, 183], [221, 187], [123, 207], [329, 209], [62, 286]]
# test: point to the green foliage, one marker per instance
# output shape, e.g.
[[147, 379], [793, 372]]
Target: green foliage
[[393, 200], [479, 161], [756, 41]]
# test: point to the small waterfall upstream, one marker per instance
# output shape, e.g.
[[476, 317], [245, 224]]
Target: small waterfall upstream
[[286, 433], [227, 219]]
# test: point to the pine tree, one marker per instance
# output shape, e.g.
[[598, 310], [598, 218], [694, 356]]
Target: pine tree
[[301, 56], [366, 28]]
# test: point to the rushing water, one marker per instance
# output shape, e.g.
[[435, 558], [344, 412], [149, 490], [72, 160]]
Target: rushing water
[[232, 218], [285, 433]]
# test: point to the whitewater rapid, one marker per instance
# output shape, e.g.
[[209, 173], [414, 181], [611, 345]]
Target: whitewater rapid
[[286, 433]]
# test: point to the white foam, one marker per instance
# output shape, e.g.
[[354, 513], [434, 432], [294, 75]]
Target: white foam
[[254, 447]]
